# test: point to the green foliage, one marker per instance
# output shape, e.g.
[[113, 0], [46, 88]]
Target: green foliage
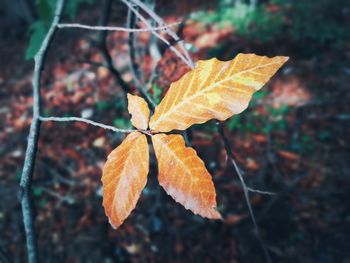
[[46, 112], [248, 20], [253, 121], [304, 145], [45, 10], [320, 21], [18, 174], [122, 123], [324, 135], [103, 105], [157, 93], [308, 24], [118, 106], [37, 191], [273, 120]]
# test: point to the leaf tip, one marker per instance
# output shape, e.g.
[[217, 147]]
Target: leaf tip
[[215, 214], [139, 111], [111, 223], [284, 58]]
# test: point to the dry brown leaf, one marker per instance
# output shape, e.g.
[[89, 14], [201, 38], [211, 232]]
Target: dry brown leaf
[[139, 111], [213, 90], [124, 177], [183, 175], [289, 155]]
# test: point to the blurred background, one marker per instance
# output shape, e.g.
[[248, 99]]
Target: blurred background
[[292, 140]]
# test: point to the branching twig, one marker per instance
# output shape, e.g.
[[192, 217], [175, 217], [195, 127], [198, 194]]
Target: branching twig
[[144, 20], [245, 190], [104, 50], [101, 125], [134, 67], [140, 85], [161, 22], [29, 161], [116, 28]]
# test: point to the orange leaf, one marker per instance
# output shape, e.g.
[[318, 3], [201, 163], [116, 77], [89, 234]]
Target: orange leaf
[[213, 90], [183, 175], [289, 155], [124, 177], [139, 111]]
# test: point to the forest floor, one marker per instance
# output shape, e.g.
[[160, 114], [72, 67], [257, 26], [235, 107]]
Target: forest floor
[[293, 140]]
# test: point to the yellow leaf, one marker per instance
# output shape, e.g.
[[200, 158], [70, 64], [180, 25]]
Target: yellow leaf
[[139, 111], [183, 175], [124, 177], [213, 90]]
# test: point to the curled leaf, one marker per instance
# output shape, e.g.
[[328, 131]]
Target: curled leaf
[[139, 111], [124, 177], [183, 175], [213, 90]]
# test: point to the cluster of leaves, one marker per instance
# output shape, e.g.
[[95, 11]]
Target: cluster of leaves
[[213, 90], [45, 10], [319, 23]]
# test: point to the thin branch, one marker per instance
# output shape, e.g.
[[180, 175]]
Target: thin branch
[[154, 51], [116, 28], [107, 4], [106, 7], [188, 61], [245, 190], [29, 161], [65, 199], [144, 20], [161, 22], [97, 124], [131, 22], [260, 191], [134, 67]]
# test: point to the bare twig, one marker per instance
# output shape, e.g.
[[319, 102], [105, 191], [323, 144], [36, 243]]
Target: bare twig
[[101, 125], [187, 60], [140, 85], [134, 67], [161, 22], [29, 161], [106, 7], [144, 20], [116, 28], [62, 198], [154, 51], [252, 190], [107, 4], [245, 190]]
